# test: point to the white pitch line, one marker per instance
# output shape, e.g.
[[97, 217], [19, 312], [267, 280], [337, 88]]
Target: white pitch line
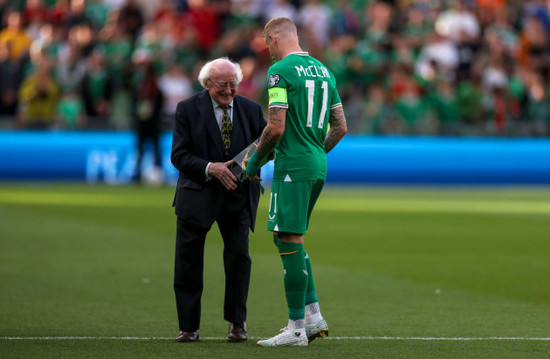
[[328, 338], [437, 338]]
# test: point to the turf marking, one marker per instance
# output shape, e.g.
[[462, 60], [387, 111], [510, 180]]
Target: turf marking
[[328, 338], [438, 205]]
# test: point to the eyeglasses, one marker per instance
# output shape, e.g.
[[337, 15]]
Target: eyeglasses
[[232, 85]]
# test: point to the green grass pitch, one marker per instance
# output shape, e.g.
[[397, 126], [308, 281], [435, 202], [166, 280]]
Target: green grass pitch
[[86, 272]]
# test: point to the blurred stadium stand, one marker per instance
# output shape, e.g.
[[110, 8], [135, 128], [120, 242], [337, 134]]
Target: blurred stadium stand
[[415, 68]]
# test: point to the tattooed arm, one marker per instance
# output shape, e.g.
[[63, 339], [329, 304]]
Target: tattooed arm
[[273, 131], [338, 128], [270, 136]]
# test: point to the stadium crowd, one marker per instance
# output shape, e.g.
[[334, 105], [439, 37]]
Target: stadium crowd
[[464, 67]]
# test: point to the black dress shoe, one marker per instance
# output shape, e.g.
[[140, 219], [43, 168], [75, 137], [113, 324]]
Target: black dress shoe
[[188, 337], [237, 332]]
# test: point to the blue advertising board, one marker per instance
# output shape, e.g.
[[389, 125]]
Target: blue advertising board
[[440, 160], [110, 157]]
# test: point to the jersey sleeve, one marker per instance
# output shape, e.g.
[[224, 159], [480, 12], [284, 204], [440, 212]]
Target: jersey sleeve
[[335, 101], [277, 89]]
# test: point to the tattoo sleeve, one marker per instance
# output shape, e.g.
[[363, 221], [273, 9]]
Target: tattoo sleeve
[[338, 128], [273, 131]]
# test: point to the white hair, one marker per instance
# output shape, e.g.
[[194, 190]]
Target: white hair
[[206, 70]]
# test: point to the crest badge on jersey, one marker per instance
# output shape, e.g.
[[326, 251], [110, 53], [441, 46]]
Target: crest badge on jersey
[[273, 80]]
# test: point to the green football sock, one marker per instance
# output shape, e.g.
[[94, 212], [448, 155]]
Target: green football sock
[[295, 279], [311, 293]]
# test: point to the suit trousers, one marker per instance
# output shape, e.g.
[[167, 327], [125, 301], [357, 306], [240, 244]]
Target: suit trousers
[[189, 266]]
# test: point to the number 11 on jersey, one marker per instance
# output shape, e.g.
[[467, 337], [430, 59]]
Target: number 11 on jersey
[[310, 84]]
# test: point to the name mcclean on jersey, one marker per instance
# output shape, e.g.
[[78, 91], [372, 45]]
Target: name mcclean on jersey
[[320, 71]]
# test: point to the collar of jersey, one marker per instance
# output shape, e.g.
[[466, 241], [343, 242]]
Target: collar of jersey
[[303, 53]]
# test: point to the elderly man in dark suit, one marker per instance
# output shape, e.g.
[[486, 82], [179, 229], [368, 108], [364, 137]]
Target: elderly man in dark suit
[[211, 128]]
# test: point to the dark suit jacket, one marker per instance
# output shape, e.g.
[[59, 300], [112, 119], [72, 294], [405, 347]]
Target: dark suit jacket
[[197, 141]]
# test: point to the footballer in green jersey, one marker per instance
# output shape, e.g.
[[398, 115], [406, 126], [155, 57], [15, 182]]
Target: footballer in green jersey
[[303, 102]]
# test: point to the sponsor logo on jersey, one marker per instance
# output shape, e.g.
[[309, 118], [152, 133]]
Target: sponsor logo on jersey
[[273, 80]]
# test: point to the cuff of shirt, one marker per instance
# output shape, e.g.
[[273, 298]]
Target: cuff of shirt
[[206, 175]]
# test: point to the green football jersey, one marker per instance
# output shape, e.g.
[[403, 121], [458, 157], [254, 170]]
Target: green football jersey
[[307, 90]]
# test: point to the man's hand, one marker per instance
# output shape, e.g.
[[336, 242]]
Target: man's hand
[[221, 171]]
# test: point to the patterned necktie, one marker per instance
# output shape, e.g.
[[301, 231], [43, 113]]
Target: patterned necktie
[[227, 130]]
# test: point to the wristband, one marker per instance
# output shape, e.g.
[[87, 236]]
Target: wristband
[[253, 164]]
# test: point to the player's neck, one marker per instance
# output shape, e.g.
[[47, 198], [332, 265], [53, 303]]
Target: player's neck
[[292, 50]]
